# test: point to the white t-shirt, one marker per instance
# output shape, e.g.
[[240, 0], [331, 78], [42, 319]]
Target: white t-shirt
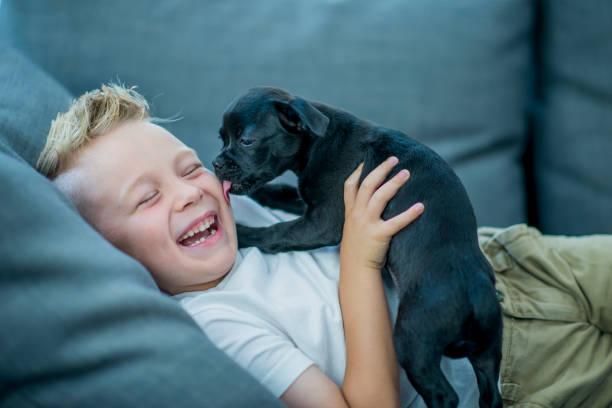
[[275, 315]]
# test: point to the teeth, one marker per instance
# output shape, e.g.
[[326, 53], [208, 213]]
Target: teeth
[[198, 228], [199, 241]]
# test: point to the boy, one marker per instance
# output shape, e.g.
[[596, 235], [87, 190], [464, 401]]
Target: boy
[[278, 315], [149, 195]]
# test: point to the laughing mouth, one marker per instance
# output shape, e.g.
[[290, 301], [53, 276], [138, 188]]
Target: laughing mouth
[[200, 232]]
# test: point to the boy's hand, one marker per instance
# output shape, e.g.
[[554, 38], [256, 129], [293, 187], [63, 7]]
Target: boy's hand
[[366, 236]]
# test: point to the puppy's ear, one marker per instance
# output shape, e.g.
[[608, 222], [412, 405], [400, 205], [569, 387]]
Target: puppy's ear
[[298, 115]]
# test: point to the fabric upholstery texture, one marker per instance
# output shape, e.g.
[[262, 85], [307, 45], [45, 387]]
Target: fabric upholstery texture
[[453, 76], [573, 170], [30, 100], [84, 325]]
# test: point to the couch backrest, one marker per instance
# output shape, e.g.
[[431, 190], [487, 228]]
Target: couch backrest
[[452, 74]]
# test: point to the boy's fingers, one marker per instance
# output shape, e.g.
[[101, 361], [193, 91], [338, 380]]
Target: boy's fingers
[[350, 186], [403, 219], [371, 182], [388, 190]]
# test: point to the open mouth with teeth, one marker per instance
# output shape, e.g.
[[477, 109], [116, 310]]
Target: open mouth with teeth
[[200, 233]]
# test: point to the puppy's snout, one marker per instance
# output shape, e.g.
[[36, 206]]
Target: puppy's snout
[[217, 165]]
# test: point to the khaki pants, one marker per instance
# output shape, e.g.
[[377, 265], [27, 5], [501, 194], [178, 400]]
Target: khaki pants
[[556, 296]]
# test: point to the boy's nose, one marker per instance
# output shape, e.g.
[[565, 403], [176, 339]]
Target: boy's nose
[[189, 195]]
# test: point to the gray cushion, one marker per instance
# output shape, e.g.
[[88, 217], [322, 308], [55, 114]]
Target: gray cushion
[[450, 73], [573, 143], [84, 325], [30, 100]]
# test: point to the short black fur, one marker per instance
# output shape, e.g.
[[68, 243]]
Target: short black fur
[[447, 295]]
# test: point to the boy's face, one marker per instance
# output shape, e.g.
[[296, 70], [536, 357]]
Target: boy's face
[[146, 192]]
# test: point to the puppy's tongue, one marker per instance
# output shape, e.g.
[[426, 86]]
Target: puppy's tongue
[[226, 187]]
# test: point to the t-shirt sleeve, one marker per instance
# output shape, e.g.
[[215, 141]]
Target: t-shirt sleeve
[[265, 352]]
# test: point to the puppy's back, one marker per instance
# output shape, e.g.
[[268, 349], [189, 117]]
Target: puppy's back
[[432, 181], [448, 223]]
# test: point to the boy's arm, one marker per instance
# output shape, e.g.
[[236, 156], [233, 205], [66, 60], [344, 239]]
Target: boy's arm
[[371, 377]]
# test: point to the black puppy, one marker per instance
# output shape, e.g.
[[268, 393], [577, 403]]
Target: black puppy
[[448, 304]]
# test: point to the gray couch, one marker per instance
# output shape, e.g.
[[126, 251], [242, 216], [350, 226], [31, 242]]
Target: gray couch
[[515, 94]]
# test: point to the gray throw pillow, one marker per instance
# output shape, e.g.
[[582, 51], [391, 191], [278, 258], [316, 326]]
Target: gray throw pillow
[[30, 100], [83, 325]]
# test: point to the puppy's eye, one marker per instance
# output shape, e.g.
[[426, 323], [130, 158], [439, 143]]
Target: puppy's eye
[[246, 142]]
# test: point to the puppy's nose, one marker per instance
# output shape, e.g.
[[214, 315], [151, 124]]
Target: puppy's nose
[[217, 165]]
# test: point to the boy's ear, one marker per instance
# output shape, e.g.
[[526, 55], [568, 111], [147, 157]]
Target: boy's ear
[[299, 116]]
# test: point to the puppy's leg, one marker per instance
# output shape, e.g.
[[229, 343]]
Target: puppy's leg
[[486, 358], [281, 196], [420, 355], [316, 228], [486, 367]]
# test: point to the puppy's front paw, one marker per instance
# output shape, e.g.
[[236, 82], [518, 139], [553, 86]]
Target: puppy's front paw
[[247, 236]]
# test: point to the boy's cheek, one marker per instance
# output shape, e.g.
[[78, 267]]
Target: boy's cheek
[[213, 181], [137, 236]]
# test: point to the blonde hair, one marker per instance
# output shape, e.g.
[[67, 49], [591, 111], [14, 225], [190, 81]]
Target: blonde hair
[[91, 115]]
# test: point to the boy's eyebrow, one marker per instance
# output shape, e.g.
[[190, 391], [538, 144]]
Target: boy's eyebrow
[[132, 185], [183, 152], [187, 151]]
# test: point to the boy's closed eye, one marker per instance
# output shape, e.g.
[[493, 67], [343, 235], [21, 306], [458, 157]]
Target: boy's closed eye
[[151, 196], [192, 169], [148, 197]]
